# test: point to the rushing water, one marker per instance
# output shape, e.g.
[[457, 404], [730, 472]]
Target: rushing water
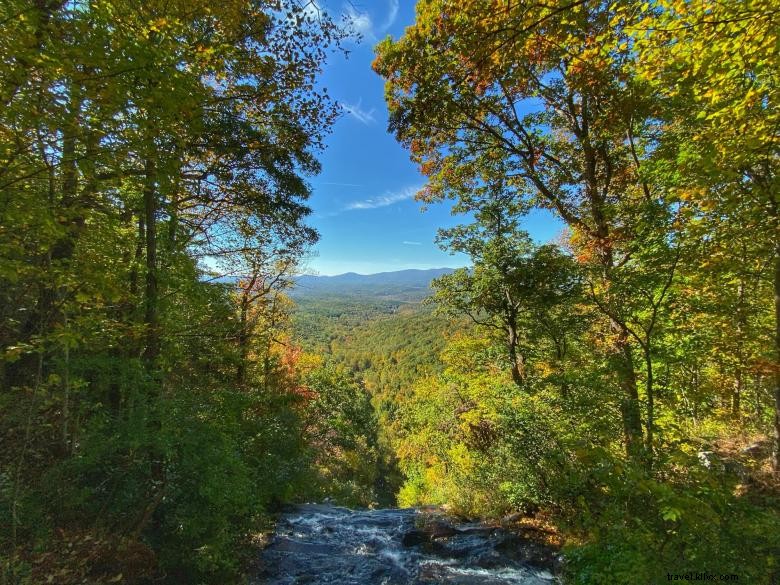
[[317, 544]]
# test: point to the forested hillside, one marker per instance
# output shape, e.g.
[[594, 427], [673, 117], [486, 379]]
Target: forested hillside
[[169, 380], [379, 327], [386, 345]]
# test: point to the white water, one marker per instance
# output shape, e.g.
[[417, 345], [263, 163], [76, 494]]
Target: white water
[[326, 545]]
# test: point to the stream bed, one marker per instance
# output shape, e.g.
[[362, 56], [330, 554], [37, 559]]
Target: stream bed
[[323, 545]]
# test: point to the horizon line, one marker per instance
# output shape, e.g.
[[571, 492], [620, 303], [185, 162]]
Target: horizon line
[[382, 271]]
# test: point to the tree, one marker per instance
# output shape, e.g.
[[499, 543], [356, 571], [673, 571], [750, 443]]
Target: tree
[[141, 143], [715, 65], [342, 425], [538, 97], [513, 286]]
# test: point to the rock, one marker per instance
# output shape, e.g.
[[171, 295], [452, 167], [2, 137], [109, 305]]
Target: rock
[[414, 537], [713, 462], [757, 449], [735, 468], [530, 552], [481, 530], [428, 533], [439, 529]]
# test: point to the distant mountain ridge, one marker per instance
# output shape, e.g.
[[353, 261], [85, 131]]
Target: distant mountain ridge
[[412, 283]]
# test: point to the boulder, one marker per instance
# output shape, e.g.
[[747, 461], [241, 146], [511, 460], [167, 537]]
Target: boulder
[[414, 537], [428, 533], [439, 529]]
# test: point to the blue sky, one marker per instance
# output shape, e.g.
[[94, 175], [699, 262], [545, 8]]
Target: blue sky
[[363, 201]]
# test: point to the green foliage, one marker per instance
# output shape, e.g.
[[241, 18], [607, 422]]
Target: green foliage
[[150, 421], [229, 455], [152, 418], [484, 448], [687, 522], [650, 130], [514, 288], [342, 427]]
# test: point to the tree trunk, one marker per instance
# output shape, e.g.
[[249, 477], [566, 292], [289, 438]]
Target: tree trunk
[[173, 226], [64, 424], [152, 341], [740, 335], [775, 214], [560, 355], [736, 395], [623, 355], [151, 312], [650, 391], [515, 358], [139, 251], [68, 214], [243, 340], [629, 406], [776, 453]]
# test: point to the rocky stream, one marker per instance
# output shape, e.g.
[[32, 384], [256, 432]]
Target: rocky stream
[[324, 545]]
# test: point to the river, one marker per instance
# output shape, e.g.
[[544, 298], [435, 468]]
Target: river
[[323, 545]]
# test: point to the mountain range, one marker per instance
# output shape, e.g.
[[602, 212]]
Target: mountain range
[[407, 284]]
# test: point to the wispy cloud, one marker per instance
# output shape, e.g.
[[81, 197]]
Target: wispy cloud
[[409, 243], [360, 22], [356, 111], [384, 200], [392, 14], [362, 26]]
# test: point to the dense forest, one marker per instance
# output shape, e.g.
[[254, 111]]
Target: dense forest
[[164, 391]]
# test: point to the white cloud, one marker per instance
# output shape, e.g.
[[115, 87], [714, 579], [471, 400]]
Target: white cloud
[[392, 14], [408, 243], [360, 22], [384, 200], [356, 111]]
